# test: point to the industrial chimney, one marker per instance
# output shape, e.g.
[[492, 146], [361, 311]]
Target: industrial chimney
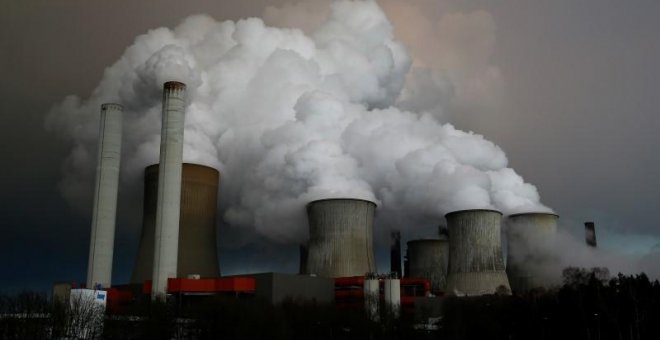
[[525, 232], [303, 259], [99, 269], [395, 253], [168, 204], [197, 226], [590, 234], [340, 237], [429, 259], [476, 265]]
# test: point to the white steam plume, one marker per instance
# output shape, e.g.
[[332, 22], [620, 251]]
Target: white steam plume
[[290, 117], [544, 256]]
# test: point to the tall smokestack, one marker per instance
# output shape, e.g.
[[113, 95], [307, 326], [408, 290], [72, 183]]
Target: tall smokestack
[[476, 264], [525, 233], [303, 258], [197, 223], [99, 269], [340, 237], [166, 238], [590, 234], [395, 253]]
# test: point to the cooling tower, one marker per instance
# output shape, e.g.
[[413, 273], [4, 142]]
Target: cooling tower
[[99, 269], [526, 233], [340, 237], [168, 201], [429, 259], [197, 226], [395, 253], [590, 234], [476, 266]]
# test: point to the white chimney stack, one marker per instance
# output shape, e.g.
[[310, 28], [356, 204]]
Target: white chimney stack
[[99, 269], [166, 240]]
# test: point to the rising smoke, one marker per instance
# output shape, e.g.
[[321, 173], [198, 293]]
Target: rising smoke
[[544, 256], [289, 117]]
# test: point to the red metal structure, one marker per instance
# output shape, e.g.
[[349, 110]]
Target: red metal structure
[[216, 285], [349, 291]]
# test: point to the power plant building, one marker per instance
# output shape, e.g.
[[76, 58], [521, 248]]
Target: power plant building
[[526, 232], [341, 237], [280, 287], [429, 259], [99, 269], [197, 253], [476, 265]]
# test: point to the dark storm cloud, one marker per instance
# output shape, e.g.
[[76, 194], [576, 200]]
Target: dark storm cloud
[[579, 115]]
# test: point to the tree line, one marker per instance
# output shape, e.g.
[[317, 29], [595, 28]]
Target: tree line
[[588, 305]]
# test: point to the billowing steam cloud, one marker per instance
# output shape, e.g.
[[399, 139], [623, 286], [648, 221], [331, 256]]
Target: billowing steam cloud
[[545, 256], [290, 117]]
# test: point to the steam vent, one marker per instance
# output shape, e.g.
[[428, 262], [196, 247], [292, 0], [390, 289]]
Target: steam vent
[[340, 237], [429, 259], [197, 229], [476, 266], [525, 232]]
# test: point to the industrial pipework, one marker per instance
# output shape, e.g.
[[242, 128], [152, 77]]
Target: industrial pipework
[[166, 237], [372, 296], [392, 294], [99, 268], [341, 237], [476, 265]]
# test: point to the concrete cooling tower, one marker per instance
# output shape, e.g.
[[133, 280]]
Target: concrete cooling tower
[[197, 226], [340, 237], [476, 265], [429, 259], [526, 233]]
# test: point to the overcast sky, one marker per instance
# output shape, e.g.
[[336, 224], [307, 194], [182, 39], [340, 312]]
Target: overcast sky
[[575, 107]]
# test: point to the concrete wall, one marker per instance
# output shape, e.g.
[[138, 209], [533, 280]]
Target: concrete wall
[[341, 237], [278, 287], [476, 265], [525, 233], [102, 240], [429, 259], [197, 226]]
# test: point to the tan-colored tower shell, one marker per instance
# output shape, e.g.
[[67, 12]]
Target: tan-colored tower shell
[[197, 226]]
